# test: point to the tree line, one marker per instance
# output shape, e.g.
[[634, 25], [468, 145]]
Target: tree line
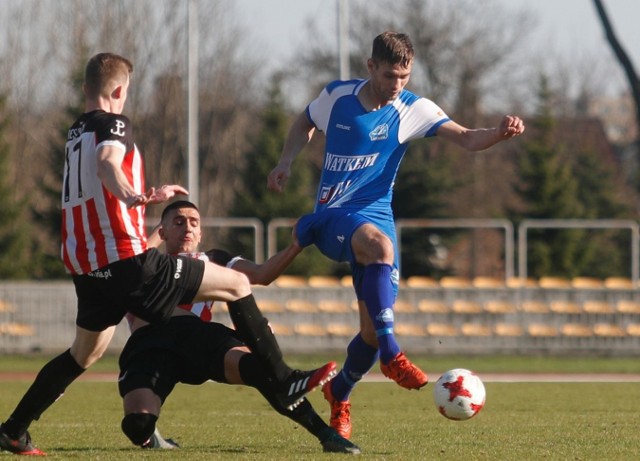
[[554, 171]]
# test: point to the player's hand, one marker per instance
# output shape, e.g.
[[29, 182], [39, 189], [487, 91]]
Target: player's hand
[[277, 179], [153, 195], [511, 126]]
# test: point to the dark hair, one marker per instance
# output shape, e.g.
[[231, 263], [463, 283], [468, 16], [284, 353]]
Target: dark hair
[[102, 68], [176, 205], [392, 48]]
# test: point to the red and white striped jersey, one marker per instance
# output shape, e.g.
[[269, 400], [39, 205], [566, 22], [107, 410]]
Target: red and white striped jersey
[[97, 228]]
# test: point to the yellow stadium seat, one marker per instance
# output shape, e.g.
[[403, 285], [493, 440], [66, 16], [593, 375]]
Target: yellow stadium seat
[[633, 329], [497, 306], [618, 283], [554, 282], [301, 306], [268, 305], [475, 329], [6, 306], [420, 281], [333, 306], [432, 306], [280, 329], [508, 329], [564, 307], [627, 306], [310, 329], [441, 329], [402, 305], [542, 330], [290, 281], [346, 281], [464, 306], [534, 306], [488, 282], [408, 329], [597, 307], [323, 281], [577, 329], [16, 329], [517, 282], [341, 329], [455, 282], [587, 282], [609, 330]]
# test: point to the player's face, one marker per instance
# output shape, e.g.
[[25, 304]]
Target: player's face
[[181, 231], [388, 80]]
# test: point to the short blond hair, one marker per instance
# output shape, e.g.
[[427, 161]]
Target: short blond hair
[[103, 71]]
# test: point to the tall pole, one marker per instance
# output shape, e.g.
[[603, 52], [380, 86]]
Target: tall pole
[[193, 169], [343, 39]]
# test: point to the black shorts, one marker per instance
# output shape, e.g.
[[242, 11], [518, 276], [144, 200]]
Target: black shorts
[[185, 350], [149, 285]]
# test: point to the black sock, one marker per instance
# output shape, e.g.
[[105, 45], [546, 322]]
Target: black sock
[[48, 387], [254, 331], [252, 374]]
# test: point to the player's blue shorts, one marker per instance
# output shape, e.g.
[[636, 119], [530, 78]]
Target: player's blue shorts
[[331, 231]]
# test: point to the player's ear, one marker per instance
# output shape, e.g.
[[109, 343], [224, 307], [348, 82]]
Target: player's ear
[[161, 233], [117, 92]]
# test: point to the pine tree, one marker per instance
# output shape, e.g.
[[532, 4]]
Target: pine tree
[[14, 235], [549, 190], [46, 211], [423, 183], [298, 197]]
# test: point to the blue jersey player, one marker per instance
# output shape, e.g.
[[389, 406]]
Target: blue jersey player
[[368, 125]]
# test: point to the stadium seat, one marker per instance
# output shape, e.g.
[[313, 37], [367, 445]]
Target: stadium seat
[[608, 330], [475, 329], [517, 282], [488, 282], [433, 306], [346, 281], [301, 306], [508, 329], [534, 306], [403, 305], [323, 281], [542, 330], [6, 306], [592, 306], [455, 282], [270, 305], [441, 329], [16, 329], [310, 329], [280, 329], [633, 329], [408, 329], [290, 281], [577, 330], [554, 282], [420, 281], [627, 306], [333, 306], [618, 283], [587, 282], [464, 306], [498, 306], [341, 329], [564, 307]]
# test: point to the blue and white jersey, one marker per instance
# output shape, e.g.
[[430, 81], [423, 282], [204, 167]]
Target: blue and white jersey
[[364, 149]]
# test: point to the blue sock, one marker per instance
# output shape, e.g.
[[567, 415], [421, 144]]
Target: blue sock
[[360, 359], [379, 296]]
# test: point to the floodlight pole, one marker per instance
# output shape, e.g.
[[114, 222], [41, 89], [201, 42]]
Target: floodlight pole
[[343, 39], [192, 104]]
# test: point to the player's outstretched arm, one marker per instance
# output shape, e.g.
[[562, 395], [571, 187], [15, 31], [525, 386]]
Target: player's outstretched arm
[[299, 136], [481, 138]]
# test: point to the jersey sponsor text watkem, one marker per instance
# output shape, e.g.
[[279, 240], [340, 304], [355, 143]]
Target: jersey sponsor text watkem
[[348, 162]]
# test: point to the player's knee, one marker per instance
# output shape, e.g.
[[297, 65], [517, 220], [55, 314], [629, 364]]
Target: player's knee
[[139, 427]]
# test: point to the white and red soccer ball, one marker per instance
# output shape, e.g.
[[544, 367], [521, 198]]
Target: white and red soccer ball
[[459, 394]]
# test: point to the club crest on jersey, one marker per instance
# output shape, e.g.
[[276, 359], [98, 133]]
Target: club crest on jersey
[[118, 129], [380, 133]]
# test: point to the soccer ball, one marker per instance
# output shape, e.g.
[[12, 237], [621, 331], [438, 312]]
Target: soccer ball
[[459, 394]]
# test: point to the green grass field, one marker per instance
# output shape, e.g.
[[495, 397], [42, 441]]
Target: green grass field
[[521, 421]]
